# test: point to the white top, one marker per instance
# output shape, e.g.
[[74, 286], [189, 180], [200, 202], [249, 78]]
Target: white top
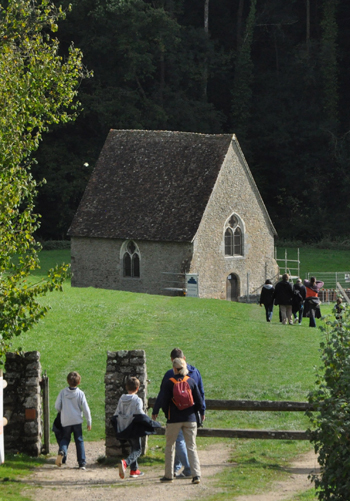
[[72, 404], [128, 405]]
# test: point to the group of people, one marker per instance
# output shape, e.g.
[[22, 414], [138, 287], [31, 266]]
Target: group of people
[[181, 398], [294, 300]]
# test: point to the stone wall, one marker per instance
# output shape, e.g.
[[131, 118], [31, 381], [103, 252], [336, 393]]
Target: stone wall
[[121, 365], [22, 403], [235, 192], [97, 262]]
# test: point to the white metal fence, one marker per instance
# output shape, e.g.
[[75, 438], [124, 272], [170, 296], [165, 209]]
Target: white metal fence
[[331, 278]]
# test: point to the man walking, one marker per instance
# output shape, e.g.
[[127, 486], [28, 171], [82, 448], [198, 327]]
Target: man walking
[[181, 458], [283, 296]]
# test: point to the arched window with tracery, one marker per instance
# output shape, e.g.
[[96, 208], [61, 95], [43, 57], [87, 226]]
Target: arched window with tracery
[[131, 260], [234, 236]]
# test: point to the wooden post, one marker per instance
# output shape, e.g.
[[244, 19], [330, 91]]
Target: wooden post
[[46, 407]]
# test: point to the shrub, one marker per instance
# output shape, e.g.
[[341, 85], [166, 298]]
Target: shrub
[[331, 421], [56, 244]]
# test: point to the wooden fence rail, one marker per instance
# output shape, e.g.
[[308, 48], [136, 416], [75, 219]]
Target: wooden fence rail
[[250, 405]]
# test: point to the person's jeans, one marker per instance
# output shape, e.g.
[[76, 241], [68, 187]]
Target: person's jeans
[[135, 453], [181, 458], [77, 431], [269, 311], [300, 313], [312, 318]]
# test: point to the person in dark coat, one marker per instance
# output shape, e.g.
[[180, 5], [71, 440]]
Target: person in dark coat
[[299, 295], [312, 302], [283, 296], [266, 299]]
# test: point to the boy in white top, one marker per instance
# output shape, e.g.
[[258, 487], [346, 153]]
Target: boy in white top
[[128, 406], [71, 403]]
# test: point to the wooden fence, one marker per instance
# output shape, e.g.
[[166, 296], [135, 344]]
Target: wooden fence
[[250, 405]]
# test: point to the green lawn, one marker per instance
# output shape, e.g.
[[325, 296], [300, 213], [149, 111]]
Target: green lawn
[[238, 353], [318, 260]]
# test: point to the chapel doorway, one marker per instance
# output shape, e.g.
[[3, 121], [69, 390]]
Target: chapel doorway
[[232, 287]]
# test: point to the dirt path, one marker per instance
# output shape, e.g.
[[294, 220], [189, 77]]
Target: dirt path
[[102, 483], [298, 481]]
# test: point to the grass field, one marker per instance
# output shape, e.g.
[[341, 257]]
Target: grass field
[[238, 354], [318, 260]]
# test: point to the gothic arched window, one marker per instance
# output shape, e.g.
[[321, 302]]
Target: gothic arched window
[[234, 237], [131, 260]]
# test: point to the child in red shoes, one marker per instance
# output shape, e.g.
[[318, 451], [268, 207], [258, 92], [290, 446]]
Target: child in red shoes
[[128, 406]]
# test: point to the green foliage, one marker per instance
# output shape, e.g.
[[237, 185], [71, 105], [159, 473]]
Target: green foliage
[[329, 60], [56, 244], [243, 81], [37, 88], [331, 421]]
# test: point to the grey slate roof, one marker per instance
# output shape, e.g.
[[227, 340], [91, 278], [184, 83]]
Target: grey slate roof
[[150, 185]]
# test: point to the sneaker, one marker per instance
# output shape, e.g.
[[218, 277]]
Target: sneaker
[[166, 479], [82, 468], [196, 480], [59, 458], [136, 473], [183, 475], [122, 468]]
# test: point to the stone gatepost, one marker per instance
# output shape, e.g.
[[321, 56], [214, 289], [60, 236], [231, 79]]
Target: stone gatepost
[[121, 365], [22, 403]]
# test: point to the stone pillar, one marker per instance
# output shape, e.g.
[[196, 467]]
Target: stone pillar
[[121, 365], [22, 403]]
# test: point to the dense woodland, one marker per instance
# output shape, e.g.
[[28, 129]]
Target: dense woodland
[[274, 72]]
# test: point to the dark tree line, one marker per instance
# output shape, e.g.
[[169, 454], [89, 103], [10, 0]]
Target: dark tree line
[[275, 73]]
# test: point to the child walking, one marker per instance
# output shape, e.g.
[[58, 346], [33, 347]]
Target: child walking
[[71, 403], [128, 406]]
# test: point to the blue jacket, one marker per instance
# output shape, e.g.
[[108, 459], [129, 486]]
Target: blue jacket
[[192, 373], [172, 413]]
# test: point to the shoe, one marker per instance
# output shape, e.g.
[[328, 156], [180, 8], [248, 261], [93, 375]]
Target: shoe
[[196, 480], [59, 458], [122, 468], [166, 479], [82, 468], [183, 475], [136, 473]]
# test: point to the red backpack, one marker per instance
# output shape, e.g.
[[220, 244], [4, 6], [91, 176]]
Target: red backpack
[[182, 393]]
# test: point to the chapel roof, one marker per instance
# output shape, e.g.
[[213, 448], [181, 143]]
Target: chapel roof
[[150, 185]]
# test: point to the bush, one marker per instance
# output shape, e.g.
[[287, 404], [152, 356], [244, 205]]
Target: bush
[[55, 244], [325, 243], [331, 421]]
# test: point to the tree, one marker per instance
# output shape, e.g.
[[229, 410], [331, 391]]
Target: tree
[[37, 88], [331, 422], [243, 81]]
